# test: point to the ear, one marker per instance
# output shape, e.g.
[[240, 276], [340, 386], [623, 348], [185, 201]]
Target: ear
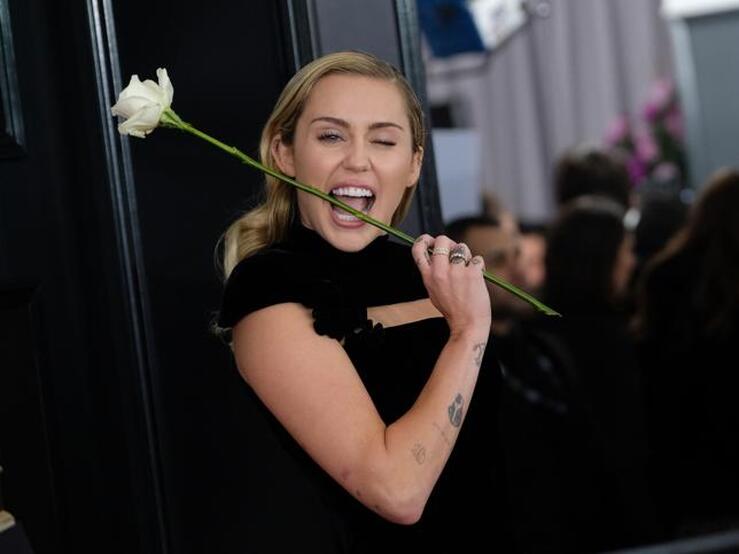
[[416, 164], [283, 155]]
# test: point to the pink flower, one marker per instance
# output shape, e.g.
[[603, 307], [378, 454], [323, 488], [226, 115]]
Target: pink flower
[[650, 112], [654, 150], [637, 170], [618, 131], [660, 97], [674, 124], [646, 147], [662, 92]]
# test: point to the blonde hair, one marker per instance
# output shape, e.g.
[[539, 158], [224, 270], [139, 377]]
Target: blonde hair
[[270, 221]]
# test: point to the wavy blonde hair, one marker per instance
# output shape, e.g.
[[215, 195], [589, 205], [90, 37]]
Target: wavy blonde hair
[[269, 222]]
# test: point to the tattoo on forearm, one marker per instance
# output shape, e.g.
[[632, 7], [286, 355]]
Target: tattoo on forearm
[[456, 411], [419, 453], [443, 434], [479, 349]]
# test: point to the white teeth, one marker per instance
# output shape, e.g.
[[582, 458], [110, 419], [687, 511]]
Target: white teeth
[[346, 217], [356, 192]]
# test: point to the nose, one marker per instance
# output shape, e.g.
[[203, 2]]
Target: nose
[[357, 157]]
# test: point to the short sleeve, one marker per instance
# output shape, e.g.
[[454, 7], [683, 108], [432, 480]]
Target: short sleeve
[[338, 287], [262, 280], [275, 277]]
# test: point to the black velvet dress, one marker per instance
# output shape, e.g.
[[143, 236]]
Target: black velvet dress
[[295, 506]]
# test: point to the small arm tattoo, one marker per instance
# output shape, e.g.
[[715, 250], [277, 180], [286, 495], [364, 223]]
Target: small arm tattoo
[[419, 453], [479, 349], [456, 410]]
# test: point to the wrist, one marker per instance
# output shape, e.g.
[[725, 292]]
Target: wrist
[[473, 332]]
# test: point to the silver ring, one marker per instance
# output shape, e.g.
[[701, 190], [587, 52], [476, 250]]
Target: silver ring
[[440, 251], [458, 254], [457, 258]]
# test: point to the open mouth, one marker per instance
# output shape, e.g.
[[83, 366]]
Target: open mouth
[[359, 198]]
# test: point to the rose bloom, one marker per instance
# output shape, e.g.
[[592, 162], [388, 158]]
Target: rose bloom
[[140, 105]]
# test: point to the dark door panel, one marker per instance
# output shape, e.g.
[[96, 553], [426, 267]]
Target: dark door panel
[[122, 422]]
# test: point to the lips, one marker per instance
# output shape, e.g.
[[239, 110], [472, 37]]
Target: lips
[[360, 198]]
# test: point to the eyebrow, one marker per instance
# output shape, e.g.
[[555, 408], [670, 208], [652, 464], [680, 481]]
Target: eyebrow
[[343, 123]]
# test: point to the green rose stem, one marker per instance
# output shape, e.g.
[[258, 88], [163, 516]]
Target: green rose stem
[[170, 119]]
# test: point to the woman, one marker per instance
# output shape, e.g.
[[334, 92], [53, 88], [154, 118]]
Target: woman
[[688, 328], [590, 254], [590, 471], [364, 365]]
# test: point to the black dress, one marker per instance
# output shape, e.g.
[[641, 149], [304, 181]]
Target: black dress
[[298, 507]]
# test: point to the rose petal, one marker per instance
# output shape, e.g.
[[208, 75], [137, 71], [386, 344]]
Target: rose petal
[[142, 122], [134, 88], [154, 92], [127, 107], [166, 85]]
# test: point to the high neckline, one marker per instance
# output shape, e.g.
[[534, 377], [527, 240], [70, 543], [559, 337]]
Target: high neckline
[[304, 239], [304, 265]]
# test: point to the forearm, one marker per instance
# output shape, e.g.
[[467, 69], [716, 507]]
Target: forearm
[[317, 395], [418, 445]]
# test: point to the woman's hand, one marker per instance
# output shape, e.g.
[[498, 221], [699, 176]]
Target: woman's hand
[[454, 282]]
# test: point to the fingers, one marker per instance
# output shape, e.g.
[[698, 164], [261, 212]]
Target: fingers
[[459, 254], [478, 262], [420, 251], [453, 280], [440, 252]]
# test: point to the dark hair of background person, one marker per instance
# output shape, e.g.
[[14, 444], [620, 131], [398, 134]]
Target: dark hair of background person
[[662, 215], [533, 227], [582, 247], [710, 239], [591, 172], [457, 229]]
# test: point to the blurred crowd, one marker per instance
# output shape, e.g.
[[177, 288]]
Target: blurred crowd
[[618, 421]]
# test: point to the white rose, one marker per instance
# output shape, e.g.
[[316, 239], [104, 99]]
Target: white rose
[[141, 104]]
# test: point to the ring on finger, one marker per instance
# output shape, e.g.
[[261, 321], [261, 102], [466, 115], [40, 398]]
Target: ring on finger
[[458, 254], [441, 251], [457, 258]]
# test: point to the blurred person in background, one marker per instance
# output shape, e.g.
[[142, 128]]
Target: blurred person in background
[[662, 215], [498, 244], [532, 244], [687, 324], [586, 171], [601, 458], [494, 208]]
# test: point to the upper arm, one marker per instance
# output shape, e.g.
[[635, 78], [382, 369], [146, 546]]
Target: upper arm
[[311, 386]]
